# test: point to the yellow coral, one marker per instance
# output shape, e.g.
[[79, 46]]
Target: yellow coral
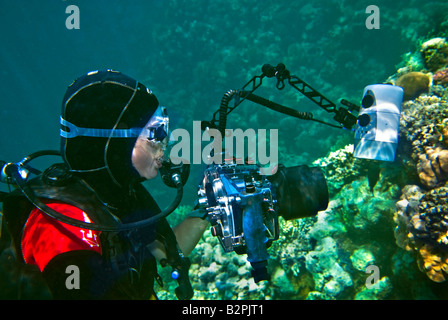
[[414, 84], [433, 264], [435, 53], [443, 239], [445, 132], [432, 166], [427, 229]]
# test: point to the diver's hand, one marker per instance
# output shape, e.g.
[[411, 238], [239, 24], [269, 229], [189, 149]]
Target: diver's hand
[[189, 232]]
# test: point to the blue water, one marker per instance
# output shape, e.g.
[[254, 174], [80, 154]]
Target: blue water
[[191, 52]]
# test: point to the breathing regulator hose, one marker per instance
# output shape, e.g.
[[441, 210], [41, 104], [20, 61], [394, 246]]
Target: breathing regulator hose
[[12, 171]]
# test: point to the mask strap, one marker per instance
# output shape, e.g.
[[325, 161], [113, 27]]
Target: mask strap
[[75, 131]]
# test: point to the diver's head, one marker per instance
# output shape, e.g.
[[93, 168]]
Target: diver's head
[[105, 114]]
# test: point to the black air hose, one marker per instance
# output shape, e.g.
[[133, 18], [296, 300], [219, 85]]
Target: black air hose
[[223, 111]]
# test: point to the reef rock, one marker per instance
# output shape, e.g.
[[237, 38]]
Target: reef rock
[[379, 291], [407, 208], [435, 53], [340, 168], [432, 167], [329, 277], [361, 258], [441, 77], [414, 84], [433, 263], [424, 229]]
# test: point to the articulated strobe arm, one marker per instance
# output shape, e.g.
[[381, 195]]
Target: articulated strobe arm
[[345, 117]]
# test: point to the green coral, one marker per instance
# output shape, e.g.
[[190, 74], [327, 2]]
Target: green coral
[[361, 258], [379, 291], [340, 168]]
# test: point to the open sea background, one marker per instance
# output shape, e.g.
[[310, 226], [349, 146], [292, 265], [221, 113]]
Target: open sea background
[[189, 53]]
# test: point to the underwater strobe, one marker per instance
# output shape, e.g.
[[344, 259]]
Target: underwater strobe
[[243, 206], [376, 135]]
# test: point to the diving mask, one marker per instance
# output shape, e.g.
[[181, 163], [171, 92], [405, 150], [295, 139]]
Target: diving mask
[[156, 129]]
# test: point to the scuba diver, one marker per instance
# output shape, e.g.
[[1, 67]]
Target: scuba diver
[[113, 137]]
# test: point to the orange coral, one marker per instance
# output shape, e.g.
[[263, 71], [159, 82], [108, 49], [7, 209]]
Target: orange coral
[[441, 77]]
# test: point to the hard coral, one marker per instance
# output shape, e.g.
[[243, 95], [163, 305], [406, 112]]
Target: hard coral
[[424, 123], [407, 210], [424, 229], [435, 54], [441, 77], [429, 233], [340, 168], [414, 84], [434, 264], [432, 167]]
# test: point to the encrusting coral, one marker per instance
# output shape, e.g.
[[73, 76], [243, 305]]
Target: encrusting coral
[[441, 77], [435, 54], [422, 227], [433, 263], [421, 217], [407, 209], [424, 123], [433, 167], [414, 84], [340, 168]]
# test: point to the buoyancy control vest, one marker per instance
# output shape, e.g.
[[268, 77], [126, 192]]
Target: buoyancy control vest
[[124, 249]]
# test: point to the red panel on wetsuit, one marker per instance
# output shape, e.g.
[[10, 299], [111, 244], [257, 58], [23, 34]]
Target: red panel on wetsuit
[[44, 237]]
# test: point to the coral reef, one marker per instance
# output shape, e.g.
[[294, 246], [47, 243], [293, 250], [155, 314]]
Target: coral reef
[[205, 50], [423, 71], [423, 124], [421, 220], [216, 275], [407, 208], [414, 84], [340, 168], [441, 77], [432, 167], [435, 54], [330, 279], [422, 227], [399, 227]]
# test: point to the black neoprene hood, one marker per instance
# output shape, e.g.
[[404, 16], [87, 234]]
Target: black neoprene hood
[[105, 100]]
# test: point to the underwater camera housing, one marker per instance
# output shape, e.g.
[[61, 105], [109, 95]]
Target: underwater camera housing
[[243, 206]]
